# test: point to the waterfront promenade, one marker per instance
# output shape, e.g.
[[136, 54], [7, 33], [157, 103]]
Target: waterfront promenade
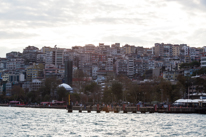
[[117, 109]]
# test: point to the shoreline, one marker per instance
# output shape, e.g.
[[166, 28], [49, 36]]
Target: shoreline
[[33, 106], [176, 110]]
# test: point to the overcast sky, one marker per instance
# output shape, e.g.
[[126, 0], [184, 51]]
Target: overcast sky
[[67, 23]]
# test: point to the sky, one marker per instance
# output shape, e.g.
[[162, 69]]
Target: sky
[[67, 23]]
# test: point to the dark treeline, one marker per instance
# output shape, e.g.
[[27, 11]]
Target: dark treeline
[[122, 89]]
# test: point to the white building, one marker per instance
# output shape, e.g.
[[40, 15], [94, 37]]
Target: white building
[[67, 87], [203, 61], [130, 66], [8, 89], [49, 57], [109, 64]]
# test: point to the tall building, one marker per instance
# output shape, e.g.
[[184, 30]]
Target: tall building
[[130, 66], [58, 55], [109, 64], [89, 48], [159, 49], [130, 49], [68, 72], [121, 67], [203, 60], [175, 50]]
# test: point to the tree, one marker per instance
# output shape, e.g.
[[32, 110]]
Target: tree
[[192, 64], [135, 93], [126, 82], [166, 90], [61, 93], [146, 91], [17, 92], [107, 95], [199, 72], [117, 90], [181, 79], [93, 89], [75, 97], [200, 85], [46, 97], [177, 92], [49, 86], [79, 82], [33, 96]]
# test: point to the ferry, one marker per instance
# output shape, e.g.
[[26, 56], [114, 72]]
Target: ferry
[[54, 102], [14, 103], [190, 102]]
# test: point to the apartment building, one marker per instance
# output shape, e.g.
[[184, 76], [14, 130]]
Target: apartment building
[[34, 71], [104, 49], [40, 58], [89, 48], [130, 66], [109, 63], [15, 63], [203, 60], [13, 54], [121, 67], [49, 57], [175, 50], [129, 49], [58, 56], [30, 53], [138, 67], [170, 75]]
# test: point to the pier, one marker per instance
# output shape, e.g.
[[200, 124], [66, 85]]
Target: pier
[[119, 109], [186, 110]]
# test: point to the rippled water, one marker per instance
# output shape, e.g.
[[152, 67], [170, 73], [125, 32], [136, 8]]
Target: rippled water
[[54, 122]]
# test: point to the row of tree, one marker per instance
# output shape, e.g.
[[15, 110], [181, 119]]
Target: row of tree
[[122, 89]]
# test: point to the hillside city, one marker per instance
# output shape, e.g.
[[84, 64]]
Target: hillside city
[[34, 74]]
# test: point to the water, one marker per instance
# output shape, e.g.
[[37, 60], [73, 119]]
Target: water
[[54, 122]]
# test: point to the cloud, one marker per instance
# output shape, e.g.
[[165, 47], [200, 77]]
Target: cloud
[[7, 49], [73, 22], [197, 37], [15, 35], [192, 5]]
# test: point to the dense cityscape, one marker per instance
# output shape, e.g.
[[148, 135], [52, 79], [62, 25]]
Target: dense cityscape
[[103, 73]]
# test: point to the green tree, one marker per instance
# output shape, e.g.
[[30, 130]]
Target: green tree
[[117, 90], [199, 72], [134, 93], [47, 97], [61, 93], [93, 89], [75, 97], [80, 82], [166, 90], [33, 96], [49, 86], [181, 79], [177, 92], [146, 91], [107, 95], [17, 92], [189, 65]]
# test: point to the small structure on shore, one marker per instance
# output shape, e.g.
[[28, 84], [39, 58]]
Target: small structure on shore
[[67, 87]]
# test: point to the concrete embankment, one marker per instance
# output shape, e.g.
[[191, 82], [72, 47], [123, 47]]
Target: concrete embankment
[[187, 110], [117, 109], [35, 106]]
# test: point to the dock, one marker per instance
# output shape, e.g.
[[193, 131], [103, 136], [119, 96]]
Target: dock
[[119, 109], [183, 110]]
